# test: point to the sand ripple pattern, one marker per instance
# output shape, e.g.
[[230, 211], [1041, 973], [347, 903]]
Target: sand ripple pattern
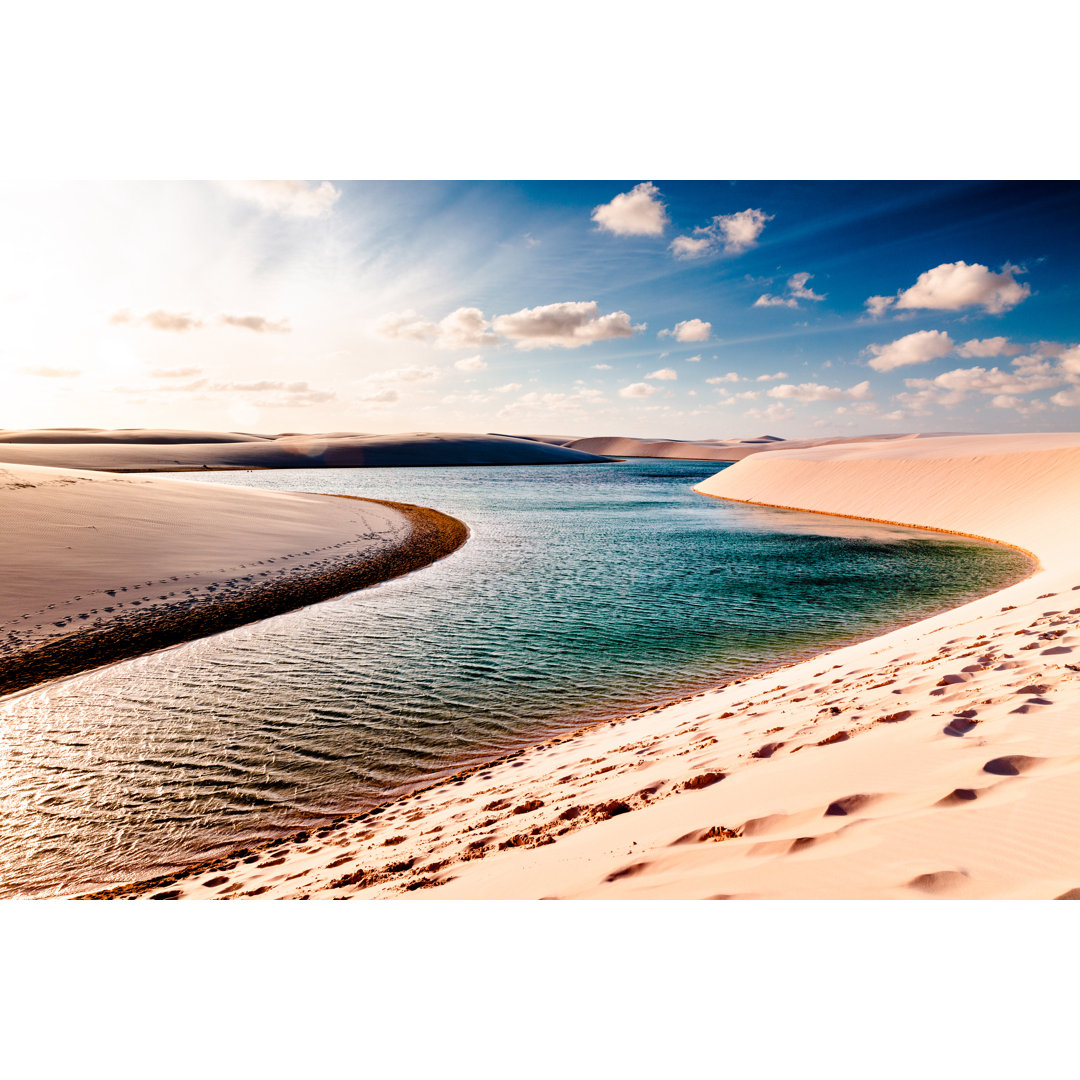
[[584, 592]]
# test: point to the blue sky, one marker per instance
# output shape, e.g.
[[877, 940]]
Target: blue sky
[[645, 307]]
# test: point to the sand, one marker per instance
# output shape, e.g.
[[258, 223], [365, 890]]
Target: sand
[[148, 451], [713, 449], [98, 567], [939, 760]]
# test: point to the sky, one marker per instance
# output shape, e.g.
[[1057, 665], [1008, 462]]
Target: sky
[[644, 307]]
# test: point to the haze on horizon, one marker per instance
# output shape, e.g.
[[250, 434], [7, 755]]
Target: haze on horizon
[[649, 308]]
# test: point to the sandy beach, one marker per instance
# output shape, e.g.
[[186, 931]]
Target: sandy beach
[[99, 568], [941, 759]]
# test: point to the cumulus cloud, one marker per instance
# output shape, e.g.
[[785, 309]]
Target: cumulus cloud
[[638, 212], [796, 290], [820, 392], [776, 412], [289, 198], [566, 325], [731, 376], [689, 330], [876, 306], [665, 374], [464, 328], [1067, 398], [256, 323], [46, 372], [917, 348], [177, 322], [638, 390], [471, 363], [773, 377], [995, 346], [987, 381], [509, 388], [693, 359], [955, 286], [768, 300], [730, 233], [385, 396], [797, 287]]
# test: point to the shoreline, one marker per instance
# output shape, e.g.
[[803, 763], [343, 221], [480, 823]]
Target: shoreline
[[229, 861], [433, 536], [927, 761]]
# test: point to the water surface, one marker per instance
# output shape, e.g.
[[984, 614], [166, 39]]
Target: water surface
[[584, 592]]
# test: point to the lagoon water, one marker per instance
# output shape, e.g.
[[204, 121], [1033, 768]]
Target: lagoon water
[[584, 592]]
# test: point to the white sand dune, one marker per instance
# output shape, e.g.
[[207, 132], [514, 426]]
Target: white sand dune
[[939, 760], [712, 449], [147, 451], [94, 564]]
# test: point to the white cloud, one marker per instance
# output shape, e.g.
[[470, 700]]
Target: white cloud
[[638, 390], [689, 330], [256, 323], [820, 392], [601, 367], [955, 286], [667, 374], [730, 233], [289, 198], [776, 411], [1018, 404], [995, 346], [797, 290], [471, 363], [797, 287], [773, 377], [693, 360], [917, 348], [1067, 398], [635, 213], [987, 381], [509, 388], [567, 325], [379, 397], [177, 322], [581, 400], [876, 306], [731, 376], [463, 328]]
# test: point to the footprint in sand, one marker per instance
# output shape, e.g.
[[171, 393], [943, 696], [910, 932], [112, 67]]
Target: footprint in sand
[[1011, 765], [940, 881]]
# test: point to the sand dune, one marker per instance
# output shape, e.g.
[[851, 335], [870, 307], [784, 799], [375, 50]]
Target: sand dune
[[939, 760], [712, 449], [146, 451], [101, 567]]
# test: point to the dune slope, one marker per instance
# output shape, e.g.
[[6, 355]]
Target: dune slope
[[169, 450]]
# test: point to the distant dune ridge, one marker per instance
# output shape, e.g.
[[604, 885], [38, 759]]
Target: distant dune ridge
[[939, 760], [712, 449], [147, 451]]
